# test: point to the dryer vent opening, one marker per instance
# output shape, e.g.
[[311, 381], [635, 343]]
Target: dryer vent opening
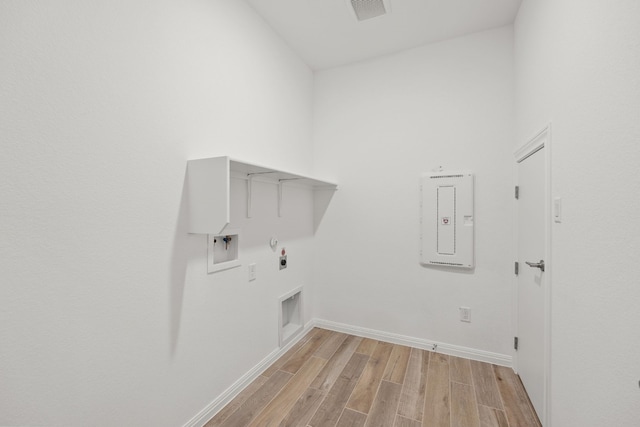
[[367, 9]]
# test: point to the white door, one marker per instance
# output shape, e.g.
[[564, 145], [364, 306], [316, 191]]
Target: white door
[[531, 278]]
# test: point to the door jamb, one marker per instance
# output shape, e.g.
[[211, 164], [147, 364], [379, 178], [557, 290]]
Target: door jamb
[[542, 139]]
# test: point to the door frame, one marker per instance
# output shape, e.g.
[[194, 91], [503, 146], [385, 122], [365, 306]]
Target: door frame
[[542, 139]]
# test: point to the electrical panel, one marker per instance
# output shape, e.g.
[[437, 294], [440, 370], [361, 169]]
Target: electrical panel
[[447, 219]]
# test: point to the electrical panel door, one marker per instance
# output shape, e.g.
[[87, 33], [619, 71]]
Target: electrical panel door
[[446, 220]]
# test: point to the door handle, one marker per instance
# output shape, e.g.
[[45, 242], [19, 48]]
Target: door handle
[[539, 265]]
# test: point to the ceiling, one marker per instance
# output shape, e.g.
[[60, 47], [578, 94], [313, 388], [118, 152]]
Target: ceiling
[[325, 33]]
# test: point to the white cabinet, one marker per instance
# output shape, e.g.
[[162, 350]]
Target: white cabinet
[[209, 189]]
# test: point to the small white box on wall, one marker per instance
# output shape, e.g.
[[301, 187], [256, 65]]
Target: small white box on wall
[[222, 252], [446, 219]]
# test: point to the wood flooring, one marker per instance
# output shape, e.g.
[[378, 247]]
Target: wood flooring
[[333, 379]]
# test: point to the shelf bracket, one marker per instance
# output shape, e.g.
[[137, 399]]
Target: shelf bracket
[[279, 198], [249, 190], [250, 177]]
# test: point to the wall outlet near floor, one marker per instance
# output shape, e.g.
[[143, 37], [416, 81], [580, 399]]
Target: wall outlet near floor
[[465, 314], [252, 272]]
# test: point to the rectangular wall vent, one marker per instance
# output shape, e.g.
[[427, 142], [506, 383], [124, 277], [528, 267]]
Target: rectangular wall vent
[[367, 9], [291, 319]]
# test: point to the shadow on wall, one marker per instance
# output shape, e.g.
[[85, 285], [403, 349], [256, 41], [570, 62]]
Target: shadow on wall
[[179, 261], [296, 217], [321, 201]]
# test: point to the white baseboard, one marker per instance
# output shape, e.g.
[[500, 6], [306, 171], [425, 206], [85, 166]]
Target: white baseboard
[[439, 347], [229, 394]]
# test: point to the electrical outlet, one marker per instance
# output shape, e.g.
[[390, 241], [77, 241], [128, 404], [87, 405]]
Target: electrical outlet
[[283, 259], [465, 314], [252, 271]]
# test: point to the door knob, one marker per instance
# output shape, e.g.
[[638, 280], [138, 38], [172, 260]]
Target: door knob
[[539, 265]]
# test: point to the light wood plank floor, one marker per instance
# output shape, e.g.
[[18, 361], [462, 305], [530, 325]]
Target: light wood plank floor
[[333, 379]]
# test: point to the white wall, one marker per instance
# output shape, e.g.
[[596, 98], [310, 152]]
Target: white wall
[[107, 316], [378, 126], [578, 66]]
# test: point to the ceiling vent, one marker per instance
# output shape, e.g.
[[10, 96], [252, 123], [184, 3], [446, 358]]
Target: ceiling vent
[[367, 9]]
